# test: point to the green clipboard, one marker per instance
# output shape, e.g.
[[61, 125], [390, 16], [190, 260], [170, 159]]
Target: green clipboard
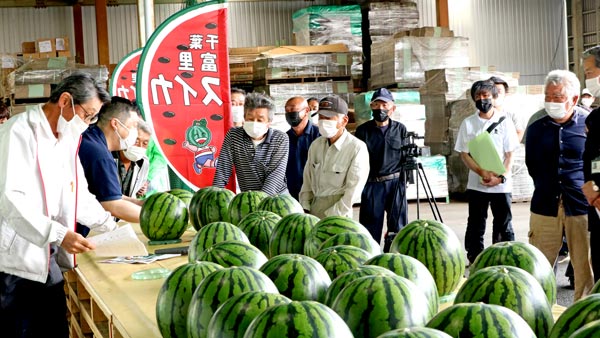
[[484, 153]]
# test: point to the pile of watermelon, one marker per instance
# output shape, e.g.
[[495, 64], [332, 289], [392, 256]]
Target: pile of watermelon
[[260, 267]]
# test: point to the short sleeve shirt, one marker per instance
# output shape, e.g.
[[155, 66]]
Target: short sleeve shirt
[[99, 166]]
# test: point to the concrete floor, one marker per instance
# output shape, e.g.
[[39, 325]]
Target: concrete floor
[[454, 214]]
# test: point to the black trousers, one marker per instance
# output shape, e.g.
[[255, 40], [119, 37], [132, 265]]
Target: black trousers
[[378, 198], [502, 229]]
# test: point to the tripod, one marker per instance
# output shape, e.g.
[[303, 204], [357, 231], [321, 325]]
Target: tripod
[[410, 167]]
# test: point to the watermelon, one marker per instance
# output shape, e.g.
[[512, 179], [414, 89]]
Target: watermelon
[[218, 287], [163, 217], [513, 288], [258, 226], [415, 332], [282, 205], [327, 228], [184, 195], [373, 305], [298, 277], [351, 275], [341, 258], [298, 319], [243, 204], [235, 315], [413, 270], [195, 206], [589, 330], [213, 206], [437, 247], [363, 241], [580, 313], [211, 234], [521, 255], [596, 288], [234, 253], [290, 233], [175, 295]]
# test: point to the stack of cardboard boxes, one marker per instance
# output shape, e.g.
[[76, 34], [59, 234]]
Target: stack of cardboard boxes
[[46, 48]]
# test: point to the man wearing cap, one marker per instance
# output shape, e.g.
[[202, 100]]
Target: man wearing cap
[[586, 100], [338, 164], [385, 190]]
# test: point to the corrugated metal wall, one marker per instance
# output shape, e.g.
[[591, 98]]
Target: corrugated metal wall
[[514, 35]]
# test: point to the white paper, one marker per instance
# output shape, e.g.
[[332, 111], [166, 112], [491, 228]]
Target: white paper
[[120, 242], [140, 259]]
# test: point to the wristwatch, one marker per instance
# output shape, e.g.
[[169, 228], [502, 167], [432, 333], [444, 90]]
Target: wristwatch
[[502, 178], [595, 187]]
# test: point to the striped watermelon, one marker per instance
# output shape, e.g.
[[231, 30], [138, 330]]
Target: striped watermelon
[[481, 320], [184, 195], [163, 217], [258, 226], [521, 255], [195, 206], [235, 315], [327, 228], [341, 258], [282, 205], [415, 332], [513, 288], [363, 241], [351, 275], [290, 233], [234, 253], [298, 277], [413, 270], [175, 295], [580, 313], [437, 247], [373, 305], [218, 287], [211, 234], [298, 319], [589, 330], [214, 206], [596, 288], [243, 204]]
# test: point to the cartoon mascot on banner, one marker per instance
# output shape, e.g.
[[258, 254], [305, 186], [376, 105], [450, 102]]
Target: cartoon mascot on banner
[[198, 138]]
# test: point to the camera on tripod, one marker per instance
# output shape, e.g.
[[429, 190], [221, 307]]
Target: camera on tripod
[[411, 149]]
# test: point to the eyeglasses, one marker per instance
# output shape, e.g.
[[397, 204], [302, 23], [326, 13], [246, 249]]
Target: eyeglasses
[[89, 118]]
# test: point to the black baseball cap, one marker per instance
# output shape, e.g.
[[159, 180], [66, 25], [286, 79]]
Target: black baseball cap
[[382, 94], [331, 105]]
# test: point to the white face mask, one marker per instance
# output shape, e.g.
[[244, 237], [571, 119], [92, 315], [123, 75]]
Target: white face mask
[[587, 101], [237, 113], [74, 128], [593, 85], [129, 141], [328, 128], [135, 153], [499, 101], [555, 110], [255, 129]]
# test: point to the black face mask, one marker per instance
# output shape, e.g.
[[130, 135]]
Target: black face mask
[[380, 115], [293, 118], [483, 105]]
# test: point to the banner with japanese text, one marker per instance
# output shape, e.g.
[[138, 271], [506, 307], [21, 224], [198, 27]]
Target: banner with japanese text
[[123, 80], [183, 89]]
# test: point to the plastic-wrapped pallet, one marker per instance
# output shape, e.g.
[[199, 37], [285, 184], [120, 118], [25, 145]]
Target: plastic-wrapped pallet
[[434, 168], [54, 70], [387, 18], [303, 65]]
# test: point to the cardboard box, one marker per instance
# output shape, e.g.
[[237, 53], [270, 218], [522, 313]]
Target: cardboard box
[[47, 55], [28, 47], [32, 91], [290, 50], [9, 61], [249, 50], [20, 108], [61, 43], [63, 53], [45, 46], [30, 56]]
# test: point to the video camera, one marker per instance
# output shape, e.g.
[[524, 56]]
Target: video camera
[[410, 149]]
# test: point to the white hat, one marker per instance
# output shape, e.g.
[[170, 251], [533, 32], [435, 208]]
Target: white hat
[[586, 91]]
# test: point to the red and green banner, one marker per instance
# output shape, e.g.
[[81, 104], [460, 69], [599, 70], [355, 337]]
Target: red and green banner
[[183, 89], [123, 80]]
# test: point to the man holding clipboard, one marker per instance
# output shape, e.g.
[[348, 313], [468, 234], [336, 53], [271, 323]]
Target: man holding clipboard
[[485, 142]]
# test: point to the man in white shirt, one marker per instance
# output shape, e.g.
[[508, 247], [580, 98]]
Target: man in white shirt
[[338, 164], [485, 188]]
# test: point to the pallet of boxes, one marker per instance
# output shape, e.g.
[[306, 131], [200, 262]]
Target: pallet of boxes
[[241, 65]]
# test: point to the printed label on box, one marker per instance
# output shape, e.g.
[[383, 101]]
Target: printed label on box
[[45, 46], [8, 61], [60, 44]]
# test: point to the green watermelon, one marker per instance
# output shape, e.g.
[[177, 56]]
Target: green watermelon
[[580, 313], [413, 270], [341, 258], [163, 217], [481, 320], [211, 234], [243, 204], [596, 288], [359, 240], [213, 206], [195, 206], [184, 195], [298, 319], [290, 233], [373, 305], [218, 287], [327, 228], [235, 315], [513, 288], [415, 332], [234, 253], [175, 295], [351, 275], [282, 205], [258, 226], [437, 247], [521, 255], [589, 330], [298, 277]]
